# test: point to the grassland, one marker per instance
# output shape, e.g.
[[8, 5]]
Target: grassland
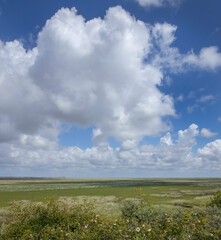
[[109, 195], [170, 192]]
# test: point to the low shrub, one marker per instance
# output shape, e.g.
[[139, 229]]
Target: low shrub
[[56, 220], [214, 217], [177, 223], [216, 200], [51, 220]]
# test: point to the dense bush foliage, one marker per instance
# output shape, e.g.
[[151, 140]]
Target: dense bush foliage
[[57, 220], [177, 223], [216, 200], [214, 217]]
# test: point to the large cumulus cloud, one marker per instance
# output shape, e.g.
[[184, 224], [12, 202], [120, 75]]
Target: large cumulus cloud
[[103, 73], [94, 74]]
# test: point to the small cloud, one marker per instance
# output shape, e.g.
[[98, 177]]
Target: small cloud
[[158, 3], [180, 98], [168, 80], [206, 98], [219, 119], [192, 108], [206, 133], [192, 94], [217, 30], [209, 58], [203, 99]]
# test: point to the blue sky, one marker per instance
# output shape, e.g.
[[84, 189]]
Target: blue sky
[[110, 88]]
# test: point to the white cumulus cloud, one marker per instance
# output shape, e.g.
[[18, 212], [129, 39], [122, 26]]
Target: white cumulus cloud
[[208, 58], [168, 155], [210, 155], [99, 77], [103, 73], [206, 133]]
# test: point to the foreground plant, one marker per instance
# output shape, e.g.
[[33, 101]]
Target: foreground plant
[[215, 200], [51, 220], [57, 221]]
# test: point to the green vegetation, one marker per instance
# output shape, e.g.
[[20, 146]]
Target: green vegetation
[[133, 202], [58, 220], [216, 200], [159, 191]]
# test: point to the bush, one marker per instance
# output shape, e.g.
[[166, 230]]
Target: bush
[[172, 224], [214, 217], [51, 220], [56, 220], [216, 200]]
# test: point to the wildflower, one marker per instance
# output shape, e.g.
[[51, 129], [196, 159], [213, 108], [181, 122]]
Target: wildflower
[[66, 234], [115, 224], [97, 216], [137, 229], [85, 226], [95, 220], [143, 225], [149, 230]]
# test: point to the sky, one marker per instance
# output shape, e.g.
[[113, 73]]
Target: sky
[[114, 88]]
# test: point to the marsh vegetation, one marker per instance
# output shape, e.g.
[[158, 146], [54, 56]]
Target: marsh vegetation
[[162, 205]]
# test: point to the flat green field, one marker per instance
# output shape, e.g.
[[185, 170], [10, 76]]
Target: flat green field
[[171, 192]]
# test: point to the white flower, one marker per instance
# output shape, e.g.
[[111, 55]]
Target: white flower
[[137, 229]]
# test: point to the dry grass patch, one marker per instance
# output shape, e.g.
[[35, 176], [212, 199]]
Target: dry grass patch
[[167, 195], [108, 206]]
